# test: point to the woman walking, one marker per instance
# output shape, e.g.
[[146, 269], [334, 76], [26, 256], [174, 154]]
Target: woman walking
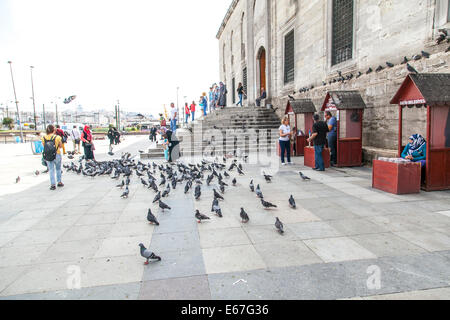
[[187, 112], [285, 140], [241, 93], [88, 145], [52, 155]]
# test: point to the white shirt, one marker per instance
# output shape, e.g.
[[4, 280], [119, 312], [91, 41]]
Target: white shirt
[[172, 113], [285, 129], [75, 134]]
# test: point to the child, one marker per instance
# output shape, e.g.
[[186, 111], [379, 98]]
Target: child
[[166, 147]]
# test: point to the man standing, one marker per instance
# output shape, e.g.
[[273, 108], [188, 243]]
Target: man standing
[[173, 117], [153, 134], [222, 96], [262, 97], [332, 136], [193, 110], [76, 138], [111, 137], [319, 136], [187, 112], [60, 132]]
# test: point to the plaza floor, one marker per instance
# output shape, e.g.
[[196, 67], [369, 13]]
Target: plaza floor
[[344, 241]]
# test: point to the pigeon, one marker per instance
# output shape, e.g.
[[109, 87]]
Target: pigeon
[[121, 185], [216, 208], [239, 170], [187, 187], [292, 202], [151, 218], [144, 183], [369, 71], [267, 177], [158, 197], [389, 64], [244, 216], [166, 192], [147, 254], [379, 69], [226, 174], [198, 192], [36, 173], [164, 206], [267, 205], [425, 54], [217, 195], [405, 60], [291, 97], [125, 194], [252, 187], [411, 69], [359, 74], [259, 192], [417, 57], [200, 216], [234, 182], [305, 178], [140, 151], [441, 38], [279, 226], [222, 188], [17, 179]]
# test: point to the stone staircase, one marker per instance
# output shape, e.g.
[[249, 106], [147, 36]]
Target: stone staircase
[[152, 153], [231, 130]]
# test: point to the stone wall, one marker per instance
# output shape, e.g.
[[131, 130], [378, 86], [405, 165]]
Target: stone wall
[[384, 30]]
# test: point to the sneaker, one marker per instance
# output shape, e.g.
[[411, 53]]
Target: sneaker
[[315, 169], [283, 164], [60, 185], [290, 163], [52, 188]]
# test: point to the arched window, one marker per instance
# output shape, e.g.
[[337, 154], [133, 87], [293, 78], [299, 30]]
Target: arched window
[[223, 58], [242, 37]]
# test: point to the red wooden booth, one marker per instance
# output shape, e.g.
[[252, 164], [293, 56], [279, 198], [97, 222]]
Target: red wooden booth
[[348, 108], [430, 91], [301, 114]]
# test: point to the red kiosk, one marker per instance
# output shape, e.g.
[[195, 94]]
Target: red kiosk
[[348, 107], [301, 112], [431, 94]]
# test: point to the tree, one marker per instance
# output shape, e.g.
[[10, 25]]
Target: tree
[[8, 122]]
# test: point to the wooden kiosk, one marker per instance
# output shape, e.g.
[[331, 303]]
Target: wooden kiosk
[[301, 114], [430, 91], [348, 107]]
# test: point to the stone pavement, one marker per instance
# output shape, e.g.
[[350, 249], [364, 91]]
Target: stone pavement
[[344, 241]]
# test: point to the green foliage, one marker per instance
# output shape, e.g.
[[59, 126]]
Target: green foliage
[[8, 122]]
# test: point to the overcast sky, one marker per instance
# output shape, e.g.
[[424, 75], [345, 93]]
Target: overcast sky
[[137, 51]]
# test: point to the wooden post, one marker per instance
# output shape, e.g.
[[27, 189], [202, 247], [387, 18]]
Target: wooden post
[[428, 162]]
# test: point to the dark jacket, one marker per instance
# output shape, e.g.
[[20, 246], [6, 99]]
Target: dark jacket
[[223, 96]]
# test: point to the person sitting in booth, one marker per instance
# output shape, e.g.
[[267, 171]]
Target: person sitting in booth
[[416, 150]]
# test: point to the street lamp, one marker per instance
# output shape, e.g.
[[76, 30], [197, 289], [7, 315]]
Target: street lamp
[[32, 91], [17, 102], [178, 107]]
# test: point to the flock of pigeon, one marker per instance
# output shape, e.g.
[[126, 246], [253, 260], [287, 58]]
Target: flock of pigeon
[[443, 36], [170, 175]]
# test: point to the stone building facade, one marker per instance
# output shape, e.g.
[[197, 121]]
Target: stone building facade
[[287, 45]]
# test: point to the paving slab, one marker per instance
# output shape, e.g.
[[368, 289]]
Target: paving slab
[[387, 244], [223, 238], [314, 230], [186, 288], [229, 259], [429, 240], [338, 249]]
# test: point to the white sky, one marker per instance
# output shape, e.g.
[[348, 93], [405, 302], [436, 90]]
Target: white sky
[[138, 51]]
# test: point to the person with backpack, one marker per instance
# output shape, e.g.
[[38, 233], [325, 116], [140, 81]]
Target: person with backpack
[[60, 132], [52, 155], [111, 137], [116, 136], [87, 139]]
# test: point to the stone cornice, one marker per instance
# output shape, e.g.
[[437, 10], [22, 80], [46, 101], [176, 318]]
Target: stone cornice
[[227, 17]]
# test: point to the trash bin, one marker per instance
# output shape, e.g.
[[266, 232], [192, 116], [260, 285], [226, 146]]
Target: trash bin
[[37, 147]]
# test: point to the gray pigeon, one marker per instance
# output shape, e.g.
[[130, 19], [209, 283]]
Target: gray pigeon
[[279, 226], [252, 187], [17, 179], [198, 192], [151, 218], [217, 195], [147, 254], [411, 69], [292, 202], [164, 206], [267, 205], [304, 177], [234, 182], [216, 208], [158, 197], [200, 216], [259, 192], [125, 194], [244, 216]]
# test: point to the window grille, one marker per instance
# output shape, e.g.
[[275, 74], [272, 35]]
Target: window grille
[[342, 37], [289, 57], [244, 81]]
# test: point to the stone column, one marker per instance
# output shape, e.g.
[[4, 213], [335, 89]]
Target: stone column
[[251, 60], [268, 47]]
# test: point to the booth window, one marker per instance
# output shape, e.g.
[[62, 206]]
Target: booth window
[[244, 81], [342, 32], [289, 57]]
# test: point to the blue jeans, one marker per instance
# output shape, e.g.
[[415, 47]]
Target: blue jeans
[[187, 118], [204, 110], [332, 144], [53, 166], [320, 165], [173, 125], [285, 146], [240, 100], [193, 115]]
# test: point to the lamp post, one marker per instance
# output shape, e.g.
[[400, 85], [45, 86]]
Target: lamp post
[[43, 114], [17, 102], [178, 107], [34, 104]]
